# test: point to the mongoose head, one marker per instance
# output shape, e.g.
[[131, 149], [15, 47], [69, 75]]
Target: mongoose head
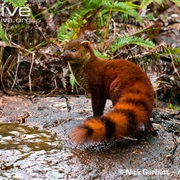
[[77, 52]]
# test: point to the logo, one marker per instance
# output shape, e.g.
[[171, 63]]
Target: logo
[[17, 15]]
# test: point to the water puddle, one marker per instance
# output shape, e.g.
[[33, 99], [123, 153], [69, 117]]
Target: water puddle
[[25, 139], [27, 152]]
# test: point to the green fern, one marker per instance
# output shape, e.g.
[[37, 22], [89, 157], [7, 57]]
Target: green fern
[[78, 19], [71, 27], [145, 3], [118, 43], [127, 8], [17, 3], [99, 9], [93, 3]]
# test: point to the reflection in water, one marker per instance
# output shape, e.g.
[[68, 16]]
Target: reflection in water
[[24, 138], [28, 152]]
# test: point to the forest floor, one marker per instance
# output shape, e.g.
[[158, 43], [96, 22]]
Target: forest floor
[[40, 148]]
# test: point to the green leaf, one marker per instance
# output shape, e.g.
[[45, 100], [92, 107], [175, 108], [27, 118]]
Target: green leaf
[[150, 16], [72, 81], [93, 3], [174, 50], [71, 27], [145, 3], [2, 34], [160, 2], [65, 33], [16, 3], [177, 2], [118, 43], [174, 107], [97, 53]]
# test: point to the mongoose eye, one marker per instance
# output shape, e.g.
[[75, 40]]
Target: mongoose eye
[[73, 50]]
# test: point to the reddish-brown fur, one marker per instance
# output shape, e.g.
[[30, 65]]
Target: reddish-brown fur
[[123, 82]]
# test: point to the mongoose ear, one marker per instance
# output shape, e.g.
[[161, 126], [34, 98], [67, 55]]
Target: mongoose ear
[[86, 44]]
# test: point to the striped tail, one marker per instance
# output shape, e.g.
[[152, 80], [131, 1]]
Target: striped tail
[[114, 125], [130, 112]]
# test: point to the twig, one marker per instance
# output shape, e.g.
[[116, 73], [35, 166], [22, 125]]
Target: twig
[[129, 138], [114, 29], [29, 75], [176, 71], [22, 118], [14, 81]]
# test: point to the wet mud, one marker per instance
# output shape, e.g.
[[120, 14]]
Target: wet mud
[[41, 149]]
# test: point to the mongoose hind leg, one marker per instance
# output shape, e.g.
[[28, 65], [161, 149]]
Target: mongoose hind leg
[[150, 129]]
